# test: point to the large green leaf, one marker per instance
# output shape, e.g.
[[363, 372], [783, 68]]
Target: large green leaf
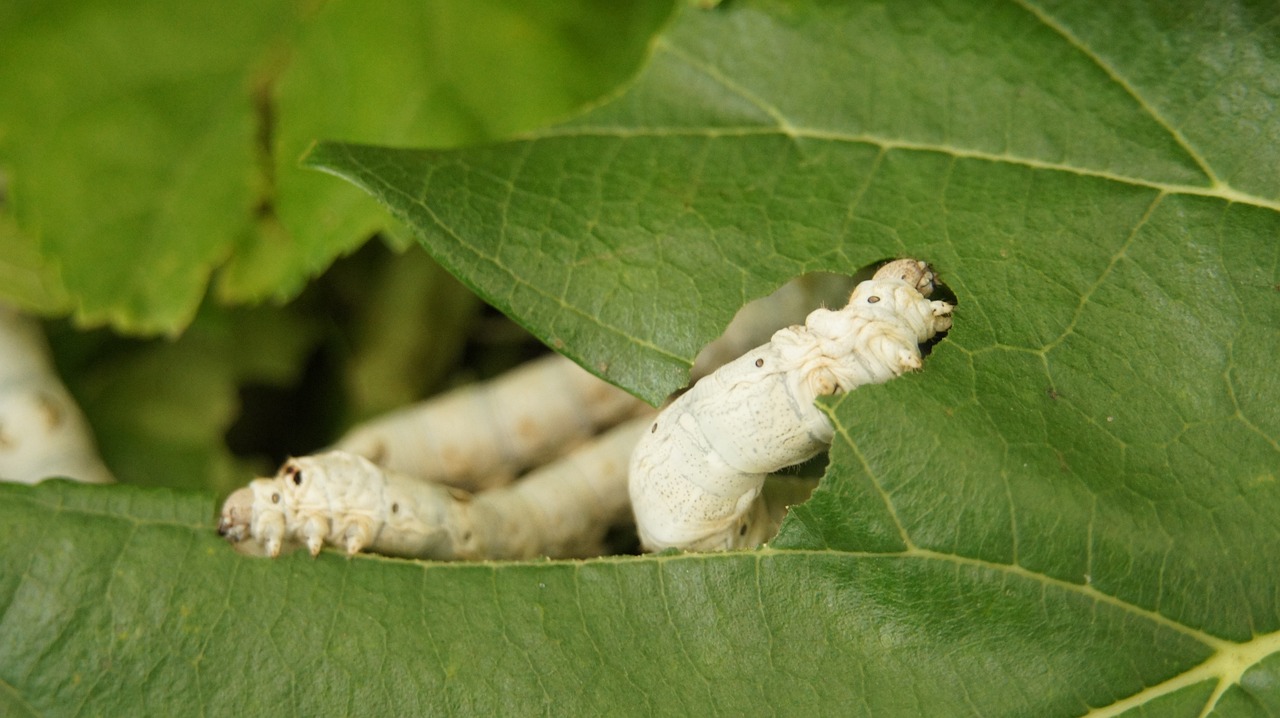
[[124, 600], [762, 144], [407, 73], [127, 134], [1070, 510], [1101, 418]]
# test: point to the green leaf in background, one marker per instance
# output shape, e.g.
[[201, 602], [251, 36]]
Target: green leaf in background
[[243, 387], [160, 410], [435, 74], [408, 325], [93, 223], [145, 144], [23, 271], [1071, 511], [128, 136]]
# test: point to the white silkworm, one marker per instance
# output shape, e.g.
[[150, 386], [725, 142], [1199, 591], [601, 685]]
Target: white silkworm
[[338, 498], [483, 435], [42, 432], [696, 476]]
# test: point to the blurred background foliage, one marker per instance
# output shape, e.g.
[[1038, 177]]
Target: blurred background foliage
[[212, 305]]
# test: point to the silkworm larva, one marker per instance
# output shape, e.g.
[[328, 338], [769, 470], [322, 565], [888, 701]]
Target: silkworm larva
[[483, 435], [697, 474], [42, 432], [338, 498]]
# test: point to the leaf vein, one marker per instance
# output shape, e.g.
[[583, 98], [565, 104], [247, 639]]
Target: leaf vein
[[843, 432], [1217, 190], [514, 276], [1118, 255], [1124, 84], [783, 124]]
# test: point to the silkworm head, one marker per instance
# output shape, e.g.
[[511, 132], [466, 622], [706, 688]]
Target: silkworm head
[[237, 510], [914, 272]]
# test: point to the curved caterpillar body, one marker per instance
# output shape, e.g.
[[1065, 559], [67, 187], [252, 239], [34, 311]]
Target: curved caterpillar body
[[696, 476], [483, 435], [342, 499]]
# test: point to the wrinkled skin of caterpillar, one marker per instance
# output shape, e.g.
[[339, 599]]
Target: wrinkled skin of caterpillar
[[342, 499], [482, 435], [696, 476]]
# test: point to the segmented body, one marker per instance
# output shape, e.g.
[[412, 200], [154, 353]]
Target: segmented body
[[342, 499], [483, 435], [697, 474]]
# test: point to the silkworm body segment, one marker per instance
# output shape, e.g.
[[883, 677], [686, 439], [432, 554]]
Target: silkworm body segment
[[483, 435]]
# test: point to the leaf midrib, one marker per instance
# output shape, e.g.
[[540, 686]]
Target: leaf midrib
[[784, 126], [1226, 666], [1216, 191]]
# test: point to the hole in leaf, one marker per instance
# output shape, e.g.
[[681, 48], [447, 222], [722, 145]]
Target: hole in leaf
[[756, 322]]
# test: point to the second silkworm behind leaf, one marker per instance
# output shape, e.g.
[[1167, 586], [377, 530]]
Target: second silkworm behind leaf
[[696, 476], [483, 435]]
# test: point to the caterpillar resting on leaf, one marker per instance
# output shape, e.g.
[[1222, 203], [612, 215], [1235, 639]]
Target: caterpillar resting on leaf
[[342, 499], [401, 485], [696, 476]]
